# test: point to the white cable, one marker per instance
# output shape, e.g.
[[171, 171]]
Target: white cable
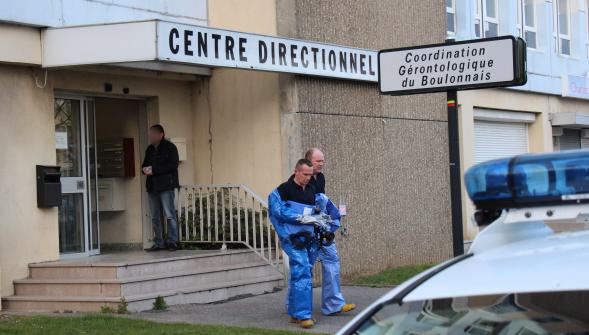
[[44, 81]]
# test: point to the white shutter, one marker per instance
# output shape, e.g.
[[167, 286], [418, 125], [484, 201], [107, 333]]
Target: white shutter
[[499, 139]]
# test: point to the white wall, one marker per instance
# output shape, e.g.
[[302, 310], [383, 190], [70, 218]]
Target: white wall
[[58, 13], [547, 68]]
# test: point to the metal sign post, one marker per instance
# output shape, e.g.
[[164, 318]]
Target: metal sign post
[[449, 67]]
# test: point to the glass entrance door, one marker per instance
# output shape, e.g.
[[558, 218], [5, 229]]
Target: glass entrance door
[[74, 146]]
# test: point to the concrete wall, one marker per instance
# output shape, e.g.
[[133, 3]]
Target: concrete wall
[[27, 234], [54, 13], [387, 157], [122, 227], [238, 111]]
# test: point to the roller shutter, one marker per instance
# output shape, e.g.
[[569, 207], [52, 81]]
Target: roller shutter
[[499, 139], [570, 139]]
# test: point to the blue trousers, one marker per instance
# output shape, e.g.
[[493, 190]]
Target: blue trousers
[[299, 299], [157, 202], [332, 299]]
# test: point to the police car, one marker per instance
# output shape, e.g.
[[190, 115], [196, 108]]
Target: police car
[[527, 271]]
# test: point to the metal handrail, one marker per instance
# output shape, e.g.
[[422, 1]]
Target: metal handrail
[[228, 214]]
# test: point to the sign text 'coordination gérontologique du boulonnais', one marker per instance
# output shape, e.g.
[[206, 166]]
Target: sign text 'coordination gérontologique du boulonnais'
[[463, 65]]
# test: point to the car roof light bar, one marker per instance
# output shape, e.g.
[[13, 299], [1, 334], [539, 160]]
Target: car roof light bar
[[530, 180]]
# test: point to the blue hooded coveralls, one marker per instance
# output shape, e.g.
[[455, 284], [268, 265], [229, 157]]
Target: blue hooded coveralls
[[332, 299], [283, 215], [299, 300]]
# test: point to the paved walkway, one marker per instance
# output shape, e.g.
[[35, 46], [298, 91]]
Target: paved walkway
[[264, 311]]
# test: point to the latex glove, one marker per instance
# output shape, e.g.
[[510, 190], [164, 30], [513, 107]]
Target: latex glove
[[307, 219]]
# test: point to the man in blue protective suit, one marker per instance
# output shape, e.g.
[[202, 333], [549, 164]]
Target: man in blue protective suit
[[288, 204], [332, 299]]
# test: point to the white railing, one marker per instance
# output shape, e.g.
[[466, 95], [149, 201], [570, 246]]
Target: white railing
[[228, 214]]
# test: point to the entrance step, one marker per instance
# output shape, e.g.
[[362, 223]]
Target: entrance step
[[126, 265], [200, 294], [88, 285]]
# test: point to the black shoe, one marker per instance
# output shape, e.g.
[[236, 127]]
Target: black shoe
[[153, 248], [172, 247]]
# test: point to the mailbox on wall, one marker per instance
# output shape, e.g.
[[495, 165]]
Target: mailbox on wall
[[48, 186]]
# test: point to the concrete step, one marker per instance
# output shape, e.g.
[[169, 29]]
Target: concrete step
[[142, 267], [164, 281], [212, 292]]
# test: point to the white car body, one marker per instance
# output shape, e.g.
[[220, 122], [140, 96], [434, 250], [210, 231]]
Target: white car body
[[530, 250]]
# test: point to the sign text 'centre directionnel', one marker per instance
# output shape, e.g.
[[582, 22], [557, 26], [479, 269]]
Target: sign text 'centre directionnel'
[[224, 48]]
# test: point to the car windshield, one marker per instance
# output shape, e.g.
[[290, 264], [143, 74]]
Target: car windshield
[[521, 314]]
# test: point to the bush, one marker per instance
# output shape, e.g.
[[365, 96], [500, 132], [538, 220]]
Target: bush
[[160, 304], [106, 309], [122, 308]]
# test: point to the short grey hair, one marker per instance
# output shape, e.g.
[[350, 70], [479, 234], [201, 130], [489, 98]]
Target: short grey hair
[[310, 152]]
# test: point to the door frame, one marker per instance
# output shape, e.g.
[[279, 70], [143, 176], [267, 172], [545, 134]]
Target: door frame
[[85, 159], [148, 114]]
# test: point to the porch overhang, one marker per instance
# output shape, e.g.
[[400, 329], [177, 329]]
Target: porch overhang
[[175, 47], [129, 45], [570, 120]]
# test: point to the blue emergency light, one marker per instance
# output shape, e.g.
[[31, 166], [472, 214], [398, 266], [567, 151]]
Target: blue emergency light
[[530, 180]]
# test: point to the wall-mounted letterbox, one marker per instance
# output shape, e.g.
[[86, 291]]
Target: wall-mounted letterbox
[[48, 186], [116, 158]]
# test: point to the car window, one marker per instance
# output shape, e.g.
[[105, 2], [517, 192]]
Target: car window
[[518, 314]]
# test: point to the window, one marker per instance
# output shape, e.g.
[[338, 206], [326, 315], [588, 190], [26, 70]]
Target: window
[[477, 19], [526, 13], [517, 313], [490, 19], [563, 27], [451, 17], [486, 23]]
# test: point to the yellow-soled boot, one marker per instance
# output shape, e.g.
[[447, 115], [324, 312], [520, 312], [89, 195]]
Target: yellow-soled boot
[[308, 323], [348, 307]]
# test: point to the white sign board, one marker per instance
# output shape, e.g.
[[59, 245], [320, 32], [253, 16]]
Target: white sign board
[[462, 65], [216, 47], [61, 140], [575, 87]]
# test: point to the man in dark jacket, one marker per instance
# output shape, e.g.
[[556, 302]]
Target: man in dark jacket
[[161, 168]]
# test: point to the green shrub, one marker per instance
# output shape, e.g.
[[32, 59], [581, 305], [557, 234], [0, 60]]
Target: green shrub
[[160, 304], [105, 309], [122, 308]]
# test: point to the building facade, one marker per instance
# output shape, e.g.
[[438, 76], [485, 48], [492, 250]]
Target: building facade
[[550, 111], [387, 156]]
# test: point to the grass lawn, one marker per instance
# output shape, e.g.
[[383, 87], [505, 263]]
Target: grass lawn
[[103, 324], [391, 277]]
